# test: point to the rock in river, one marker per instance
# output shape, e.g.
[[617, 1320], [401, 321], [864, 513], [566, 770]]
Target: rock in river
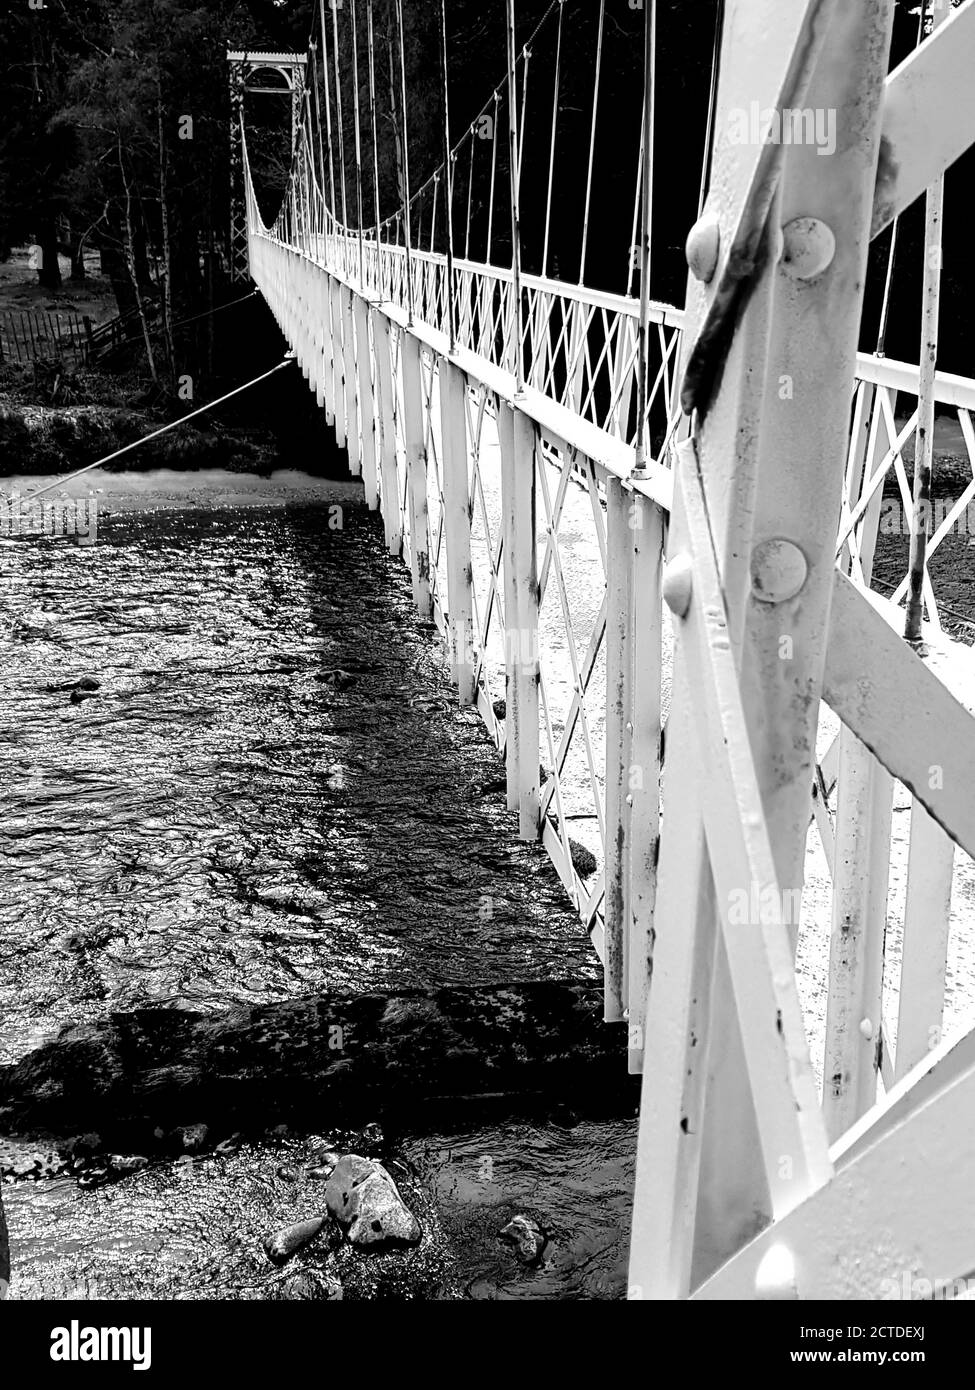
[[527, 1238], [364, 1200], [280, 1246], [310, 1284]]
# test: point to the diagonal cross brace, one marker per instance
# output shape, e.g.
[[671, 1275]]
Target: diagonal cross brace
[[779, 77]]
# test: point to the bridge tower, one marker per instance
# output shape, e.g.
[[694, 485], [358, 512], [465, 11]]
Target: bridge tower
[[243, 66]]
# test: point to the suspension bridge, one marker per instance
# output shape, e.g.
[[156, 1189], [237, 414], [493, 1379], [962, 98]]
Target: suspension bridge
[[623, 514]]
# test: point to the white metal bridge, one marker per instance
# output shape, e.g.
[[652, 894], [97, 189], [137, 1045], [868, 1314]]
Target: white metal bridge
[[614, 508]]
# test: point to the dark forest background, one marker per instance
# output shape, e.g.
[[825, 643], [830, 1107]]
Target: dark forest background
[[96, 151]]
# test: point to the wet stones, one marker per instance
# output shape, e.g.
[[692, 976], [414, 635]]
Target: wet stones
[[365, 1201], [337, 678], [192, 1138], [583, 860], [323, 1164], [309, 1285], [123, 1164], [281, 1245], [86, 683], [526, 1238]]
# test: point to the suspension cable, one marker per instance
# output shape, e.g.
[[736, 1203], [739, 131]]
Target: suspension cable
[[551, 150], [514, 169], [318, 128], [649, 103], [470, 194], [328, 107], [592, 139], [526, 54], [372, 117], [895, 225], [338, 106], [637, 204], [358, 141], [173, 424], [712, 107], [406, 165], [494, 166], [448, 185]]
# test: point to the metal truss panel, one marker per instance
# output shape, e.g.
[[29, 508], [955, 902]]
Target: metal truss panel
[[886, 695], [929, 115], [893, 1215]]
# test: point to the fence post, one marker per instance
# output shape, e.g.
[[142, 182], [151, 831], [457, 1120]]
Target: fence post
[[518, 449], [457, 527], [351, 414], [646, 521], [416, 473], [864, 800], [325, 317], [392, 517], [338, 359], [619, 726], [924, 949], [367, 407]]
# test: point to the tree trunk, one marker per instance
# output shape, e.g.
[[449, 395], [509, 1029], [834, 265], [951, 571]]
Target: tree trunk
[[400, 179], [49, 275], [78, 274], [167, 286], [130, 255]]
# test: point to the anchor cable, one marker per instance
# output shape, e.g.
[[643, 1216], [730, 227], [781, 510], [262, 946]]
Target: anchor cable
[[67, 477]]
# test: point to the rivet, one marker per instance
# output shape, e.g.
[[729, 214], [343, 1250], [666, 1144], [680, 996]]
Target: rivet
[[779, 571], [678, 581], [701, 249], [808, 247], [775, 1279], [866, 1029]]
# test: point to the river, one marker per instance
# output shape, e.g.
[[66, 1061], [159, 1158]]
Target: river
[[271, 793]]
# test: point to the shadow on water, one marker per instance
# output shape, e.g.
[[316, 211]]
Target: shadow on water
[[271, 798]]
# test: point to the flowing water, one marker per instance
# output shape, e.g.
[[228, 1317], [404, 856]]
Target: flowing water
[[272, 793]]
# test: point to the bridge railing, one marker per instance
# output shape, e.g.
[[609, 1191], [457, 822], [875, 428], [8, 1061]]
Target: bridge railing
[[577, 345], [538, 554]]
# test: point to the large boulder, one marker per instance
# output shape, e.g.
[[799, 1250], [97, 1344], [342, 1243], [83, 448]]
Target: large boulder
[[365, 1201]]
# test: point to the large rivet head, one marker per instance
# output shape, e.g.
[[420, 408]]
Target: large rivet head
[[779, 571], [775, 1278], [808, 247], [701, 250], [678, 581]]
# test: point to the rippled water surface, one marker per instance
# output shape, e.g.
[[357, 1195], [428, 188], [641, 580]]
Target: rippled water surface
[[272, 793]]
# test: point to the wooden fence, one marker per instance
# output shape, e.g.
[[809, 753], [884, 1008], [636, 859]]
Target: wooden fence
[[31, 335]]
